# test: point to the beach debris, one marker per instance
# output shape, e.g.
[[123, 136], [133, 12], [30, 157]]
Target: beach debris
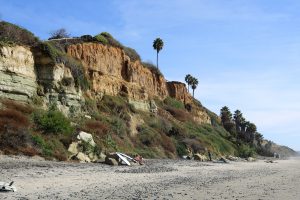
[[200, 157], [7, 187], [186, 157], [270, 161], [221, 160], [118, 158], [111, 161]]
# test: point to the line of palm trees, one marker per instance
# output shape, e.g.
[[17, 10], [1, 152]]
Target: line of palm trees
[[191, 81]]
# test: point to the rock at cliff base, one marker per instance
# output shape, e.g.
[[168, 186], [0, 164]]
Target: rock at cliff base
[[250, 159], [200, 157], [86, 137], [73, 148], [111, 161], [82, 158]]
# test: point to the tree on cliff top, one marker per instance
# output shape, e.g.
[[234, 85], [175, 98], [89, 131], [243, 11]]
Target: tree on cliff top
[[158, 44], [60, 33], [194, 84], [188, 79]]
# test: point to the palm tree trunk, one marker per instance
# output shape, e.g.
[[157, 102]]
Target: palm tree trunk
[[188, 88], [157, 59], [193, 92]]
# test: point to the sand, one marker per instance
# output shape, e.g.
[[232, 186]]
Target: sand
[[158, 179]]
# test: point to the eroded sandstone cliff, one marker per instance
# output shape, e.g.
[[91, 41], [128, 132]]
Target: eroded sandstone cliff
[[111, 72], [17, 73], [27, 75]]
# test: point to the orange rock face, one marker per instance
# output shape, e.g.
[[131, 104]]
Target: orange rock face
[[178, 91], [111, 72]]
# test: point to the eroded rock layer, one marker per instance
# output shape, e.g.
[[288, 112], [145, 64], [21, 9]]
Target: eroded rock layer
[[17, 73]]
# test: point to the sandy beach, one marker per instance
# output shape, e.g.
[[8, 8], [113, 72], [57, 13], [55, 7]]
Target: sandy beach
[[158, 179]]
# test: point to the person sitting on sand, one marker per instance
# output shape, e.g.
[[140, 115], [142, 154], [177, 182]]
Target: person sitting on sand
[[139, 159]]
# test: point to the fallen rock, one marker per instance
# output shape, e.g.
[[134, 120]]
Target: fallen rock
[[82, 158], [86, 137], [101, 158], [232, 158], [200, 157], [250, 159], [73, 148], [111, 161]]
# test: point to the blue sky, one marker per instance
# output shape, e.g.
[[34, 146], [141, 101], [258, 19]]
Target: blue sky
[[245, 53]]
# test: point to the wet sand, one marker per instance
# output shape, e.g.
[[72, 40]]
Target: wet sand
[[158, 179]]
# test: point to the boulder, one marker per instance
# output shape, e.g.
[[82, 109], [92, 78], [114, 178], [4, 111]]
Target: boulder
[[83, 158], [73, 148], [200, 157], [250, 159], [111, 161], [86, 137], [101, 158], [232, 158]]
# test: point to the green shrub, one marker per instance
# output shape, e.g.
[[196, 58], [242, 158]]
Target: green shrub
[[43, 145], [100, 38], [106, 34], [111, 40], [174, 103], [181, 149], [110, 143], [133, 55], [118, 126], [115, 105], [58, 55], [52, 121], [11, 34], [152, 68], [52, 51], [245, 151]]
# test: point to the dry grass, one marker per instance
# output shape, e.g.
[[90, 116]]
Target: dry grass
[[195, 144], [180, 114], [167, 143], [13, 119], [97, 127], [14, 134], [23, 108]]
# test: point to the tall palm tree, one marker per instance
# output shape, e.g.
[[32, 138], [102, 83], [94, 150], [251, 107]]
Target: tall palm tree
[[194, 84], [158, 44], [188, 79], [238, 115]]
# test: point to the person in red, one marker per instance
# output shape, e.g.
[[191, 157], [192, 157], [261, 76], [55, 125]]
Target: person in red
[[139, 159]]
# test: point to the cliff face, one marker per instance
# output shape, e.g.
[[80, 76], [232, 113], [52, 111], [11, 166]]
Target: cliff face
[[56, 84], [17, 73], [112, 72], [178, 91], [27, 74]]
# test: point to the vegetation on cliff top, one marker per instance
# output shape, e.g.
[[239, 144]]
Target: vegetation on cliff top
[[11, 34]]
